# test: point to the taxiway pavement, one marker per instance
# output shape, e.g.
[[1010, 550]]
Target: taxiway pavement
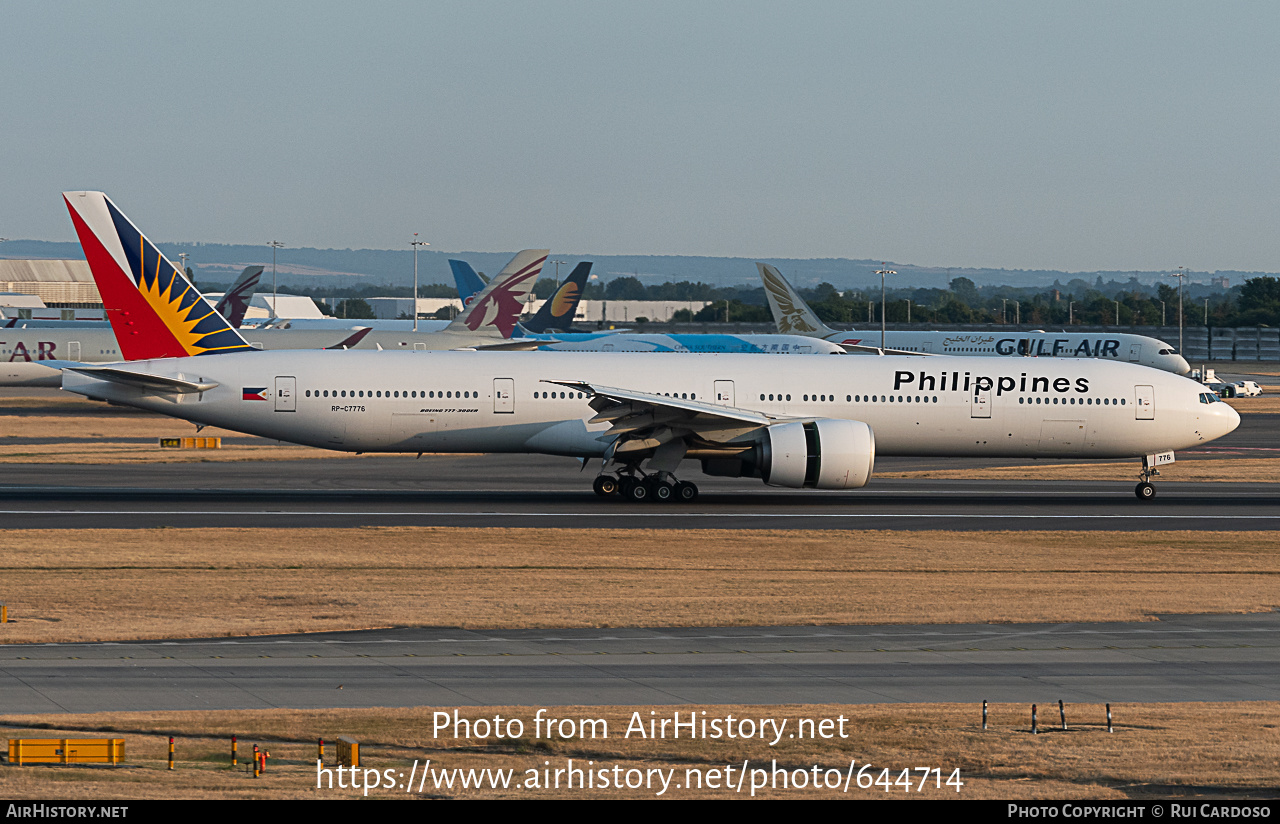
[[1178, 658]]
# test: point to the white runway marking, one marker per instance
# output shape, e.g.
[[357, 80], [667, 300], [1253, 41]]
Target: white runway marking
[[665, 513]]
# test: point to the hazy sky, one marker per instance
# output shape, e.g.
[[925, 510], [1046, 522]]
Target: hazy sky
[[1078, 136]]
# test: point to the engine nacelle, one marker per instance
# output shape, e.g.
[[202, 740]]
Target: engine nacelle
[[822, 454]]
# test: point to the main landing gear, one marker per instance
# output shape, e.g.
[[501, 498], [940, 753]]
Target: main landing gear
[[1146, 490], [635, 486]]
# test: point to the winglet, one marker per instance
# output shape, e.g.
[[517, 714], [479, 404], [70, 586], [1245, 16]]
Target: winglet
[[351, 340], [154, 310]]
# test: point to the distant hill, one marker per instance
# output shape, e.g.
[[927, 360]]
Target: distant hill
[[220, 262]]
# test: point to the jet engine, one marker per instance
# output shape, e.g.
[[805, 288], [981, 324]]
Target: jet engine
[[822, 454]]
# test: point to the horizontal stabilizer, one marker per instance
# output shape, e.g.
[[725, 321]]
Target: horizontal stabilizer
[[144, 380]]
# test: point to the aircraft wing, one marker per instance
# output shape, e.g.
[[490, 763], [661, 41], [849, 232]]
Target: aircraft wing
[[861, 348], [646, 420], [144, 380], [351, 340]]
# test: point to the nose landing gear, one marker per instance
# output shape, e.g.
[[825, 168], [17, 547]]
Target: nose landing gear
[[1146, 490]]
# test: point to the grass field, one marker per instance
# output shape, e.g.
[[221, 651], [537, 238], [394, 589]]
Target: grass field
[[65, 585], [80, 585]]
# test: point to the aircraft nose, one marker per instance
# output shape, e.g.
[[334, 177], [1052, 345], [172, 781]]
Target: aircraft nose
[[1181, 365], [1228, 418], [1233, 420]]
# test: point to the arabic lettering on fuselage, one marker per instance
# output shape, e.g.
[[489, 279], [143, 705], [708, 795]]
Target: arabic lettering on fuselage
[[968, 340]]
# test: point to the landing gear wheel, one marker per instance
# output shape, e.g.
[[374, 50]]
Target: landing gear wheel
[[686, 492], [634, 490], [659, 491], [1145, 491], [605, 485]]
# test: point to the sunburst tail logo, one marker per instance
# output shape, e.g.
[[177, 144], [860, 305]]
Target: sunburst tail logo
[[154, 310]]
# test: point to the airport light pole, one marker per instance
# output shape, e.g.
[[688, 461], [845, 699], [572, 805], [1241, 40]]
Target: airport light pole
[[1003, 301], [275, 244], [1071, 306], [1017, 313], [1181, 276], [183, 256], [908, 310], [882, 273], [416, 243], [557, 263], [1162, 314], [1117, 303]]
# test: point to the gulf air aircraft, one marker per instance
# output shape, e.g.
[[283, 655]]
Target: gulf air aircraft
[[814, 423], [793, 316]]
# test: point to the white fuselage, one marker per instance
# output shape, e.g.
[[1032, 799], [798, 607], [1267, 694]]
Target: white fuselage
[[503, 402], [1117, 347]]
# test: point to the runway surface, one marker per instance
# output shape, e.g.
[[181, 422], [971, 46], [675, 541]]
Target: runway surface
[[539, 491], [1179, 658], [531, 491]]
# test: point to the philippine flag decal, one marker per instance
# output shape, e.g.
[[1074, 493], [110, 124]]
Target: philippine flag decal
[[258, 393]]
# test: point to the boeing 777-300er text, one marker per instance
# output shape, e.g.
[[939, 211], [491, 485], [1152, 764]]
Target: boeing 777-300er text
[[792, 422], [793, 316]]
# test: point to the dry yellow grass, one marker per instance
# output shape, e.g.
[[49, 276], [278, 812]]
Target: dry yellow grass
[[1202, 751], [64, 585], [1270, 402], [110, 446]]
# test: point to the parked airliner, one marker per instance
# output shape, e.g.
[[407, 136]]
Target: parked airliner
[[793, 316], [792, 422], [32, 357]]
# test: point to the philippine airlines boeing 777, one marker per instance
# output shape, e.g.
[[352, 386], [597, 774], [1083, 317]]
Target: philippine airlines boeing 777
[[793, 316], [793, 422]]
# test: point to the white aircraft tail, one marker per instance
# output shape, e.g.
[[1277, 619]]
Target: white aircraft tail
[[498, 306], [790, 313]]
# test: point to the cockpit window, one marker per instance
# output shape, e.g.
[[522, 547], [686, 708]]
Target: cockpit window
[[1209, 397], [1168, 351]]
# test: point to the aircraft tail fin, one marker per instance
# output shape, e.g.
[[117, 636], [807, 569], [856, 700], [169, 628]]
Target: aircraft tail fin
[[498, 306], [465, 278], [154, 310], [557, 313], [235, 302], [791, 314]]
